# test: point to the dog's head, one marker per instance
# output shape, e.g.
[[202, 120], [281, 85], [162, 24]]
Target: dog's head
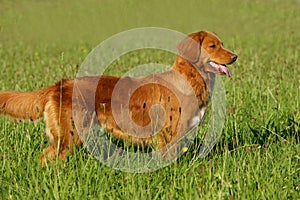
[[204, 49]]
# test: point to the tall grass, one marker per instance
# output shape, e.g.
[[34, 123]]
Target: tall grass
[[257, 156]]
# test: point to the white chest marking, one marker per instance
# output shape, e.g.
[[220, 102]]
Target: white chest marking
[[198, 118]]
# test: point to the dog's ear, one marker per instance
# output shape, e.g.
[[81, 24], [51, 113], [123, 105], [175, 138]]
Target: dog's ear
[[190, 47]]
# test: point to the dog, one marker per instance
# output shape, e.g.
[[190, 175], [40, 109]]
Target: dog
[[179, 96]]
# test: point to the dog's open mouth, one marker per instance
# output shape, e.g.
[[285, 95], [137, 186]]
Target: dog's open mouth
[[222, 69]]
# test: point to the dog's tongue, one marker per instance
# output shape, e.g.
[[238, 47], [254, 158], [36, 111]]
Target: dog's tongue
[[221, 68], [224, 70]]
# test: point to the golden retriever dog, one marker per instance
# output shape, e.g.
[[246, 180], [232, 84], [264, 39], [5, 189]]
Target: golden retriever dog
[[179, 96]]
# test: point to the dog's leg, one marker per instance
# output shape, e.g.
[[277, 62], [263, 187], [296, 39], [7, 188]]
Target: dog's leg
[[60, 131], [52, 132]]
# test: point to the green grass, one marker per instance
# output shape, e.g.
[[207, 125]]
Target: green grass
[[257, 156]]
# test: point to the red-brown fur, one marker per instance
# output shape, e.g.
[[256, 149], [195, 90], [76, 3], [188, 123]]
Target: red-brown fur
[[55, 101]]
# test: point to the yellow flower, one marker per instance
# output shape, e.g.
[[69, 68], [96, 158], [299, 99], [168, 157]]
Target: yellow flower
[[184, 149], [83, 49]]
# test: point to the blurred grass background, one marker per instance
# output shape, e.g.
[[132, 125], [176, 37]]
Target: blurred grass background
[[62, 22]]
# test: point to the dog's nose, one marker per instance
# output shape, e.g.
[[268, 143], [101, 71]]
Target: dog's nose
[[234, 57]]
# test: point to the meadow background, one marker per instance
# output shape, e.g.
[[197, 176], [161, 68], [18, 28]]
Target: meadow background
[[257, 156]]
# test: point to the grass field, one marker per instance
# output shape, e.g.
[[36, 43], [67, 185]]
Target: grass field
[[257, 156]]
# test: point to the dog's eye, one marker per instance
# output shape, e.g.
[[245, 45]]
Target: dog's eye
[[212, 46]]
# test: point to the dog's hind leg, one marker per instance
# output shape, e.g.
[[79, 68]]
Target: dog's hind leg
[[60, 131]]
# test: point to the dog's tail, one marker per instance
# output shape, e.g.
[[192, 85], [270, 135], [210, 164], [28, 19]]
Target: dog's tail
[[23, 105]]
